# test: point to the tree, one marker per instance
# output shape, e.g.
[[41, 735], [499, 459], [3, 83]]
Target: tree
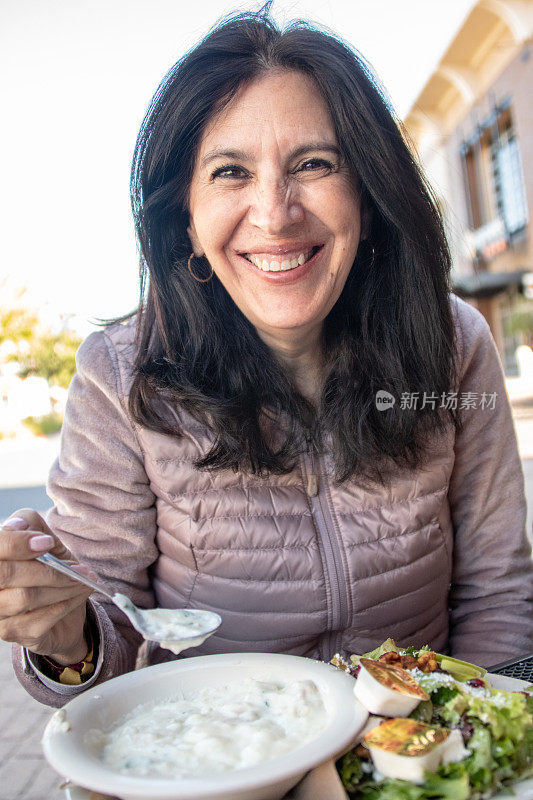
[[17, 324], [51, 356], [24, 339]]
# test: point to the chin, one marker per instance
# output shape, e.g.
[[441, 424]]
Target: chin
[[287, 326]]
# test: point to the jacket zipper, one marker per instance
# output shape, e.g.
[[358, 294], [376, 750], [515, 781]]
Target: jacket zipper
[[333, 566]]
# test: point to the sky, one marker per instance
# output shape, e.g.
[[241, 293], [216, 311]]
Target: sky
[[76, 77]]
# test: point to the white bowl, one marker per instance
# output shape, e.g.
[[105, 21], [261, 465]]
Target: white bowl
[[69, 754]]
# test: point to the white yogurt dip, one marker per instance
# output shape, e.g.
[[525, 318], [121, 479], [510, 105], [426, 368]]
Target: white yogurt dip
[[214, 730], [178, 628], [175, 629]]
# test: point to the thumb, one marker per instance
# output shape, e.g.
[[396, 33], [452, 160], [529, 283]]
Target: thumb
[[26, 519]]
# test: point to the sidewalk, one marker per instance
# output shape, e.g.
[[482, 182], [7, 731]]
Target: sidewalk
[[24, 774]]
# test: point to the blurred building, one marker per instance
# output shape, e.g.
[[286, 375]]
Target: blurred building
[[472, 126]]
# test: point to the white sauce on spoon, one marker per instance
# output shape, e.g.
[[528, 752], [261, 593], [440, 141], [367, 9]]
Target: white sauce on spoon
[[214, 730], [175, 629]]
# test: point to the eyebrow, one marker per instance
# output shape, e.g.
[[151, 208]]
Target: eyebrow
[[242, 155]]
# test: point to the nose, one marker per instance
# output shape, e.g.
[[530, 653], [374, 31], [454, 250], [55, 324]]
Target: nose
[[275, 206]]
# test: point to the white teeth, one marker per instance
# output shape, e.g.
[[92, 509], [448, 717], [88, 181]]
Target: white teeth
[[276, 266]]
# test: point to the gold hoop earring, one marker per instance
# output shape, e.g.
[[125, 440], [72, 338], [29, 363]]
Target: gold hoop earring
[[199, 280]]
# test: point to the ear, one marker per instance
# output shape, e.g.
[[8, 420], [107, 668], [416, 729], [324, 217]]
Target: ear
[[193, 236]]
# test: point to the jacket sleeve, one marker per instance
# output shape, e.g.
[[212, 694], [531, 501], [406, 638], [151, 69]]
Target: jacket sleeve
[[104, 508], [491, 597]]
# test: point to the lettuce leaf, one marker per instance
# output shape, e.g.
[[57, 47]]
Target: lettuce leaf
[[443, 694], [350, 771], [448, 783], [505, 713], [388, 646], [423, 712]]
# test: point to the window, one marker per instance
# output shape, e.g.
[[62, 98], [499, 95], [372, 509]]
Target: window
[[508, 178], [494, 179]]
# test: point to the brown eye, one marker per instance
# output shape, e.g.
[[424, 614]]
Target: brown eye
[[228, 171], [313, 164]]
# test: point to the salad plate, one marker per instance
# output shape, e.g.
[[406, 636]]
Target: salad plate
[[469, 737], [522, 790]]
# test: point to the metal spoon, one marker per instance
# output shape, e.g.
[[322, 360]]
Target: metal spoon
[[146, 620]]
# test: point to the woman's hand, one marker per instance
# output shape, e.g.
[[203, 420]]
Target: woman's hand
[[40, 608]]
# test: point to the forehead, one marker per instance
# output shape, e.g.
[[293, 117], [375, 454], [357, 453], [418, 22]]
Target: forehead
[[283, 105]]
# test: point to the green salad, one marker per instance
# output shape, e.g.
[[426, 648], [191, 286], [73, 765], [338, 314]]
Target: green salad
[[496, 727]]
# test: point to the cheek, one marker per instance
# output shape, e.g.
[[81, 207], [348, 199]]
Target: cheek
[[337, 207], [213, 226], [213, 217], [347, 238], [350, 229]]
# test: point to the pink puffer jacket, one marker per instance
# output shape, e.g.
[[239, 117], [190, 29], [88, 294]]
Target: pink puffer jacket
[[294, 563]]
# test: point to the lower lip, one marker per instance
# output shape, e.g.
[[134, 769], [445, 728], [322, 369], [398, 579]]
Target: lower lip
[[288, 276]]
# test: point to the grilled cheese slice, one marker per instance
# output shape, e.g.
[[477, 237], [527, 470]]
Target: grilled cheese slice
[[405, 748], [387, 690]]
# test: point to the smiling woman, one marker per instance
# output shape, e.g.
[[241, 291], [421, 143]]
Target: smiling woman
[[275, 435], [287, 151]]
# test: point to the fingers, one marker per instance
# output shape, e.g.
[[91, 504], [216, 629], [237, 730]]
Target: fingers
[[21, 600], [33, 628], [23, 574], [26, 519], [32, 526], [25, 534], [38, 605], [22, 545]]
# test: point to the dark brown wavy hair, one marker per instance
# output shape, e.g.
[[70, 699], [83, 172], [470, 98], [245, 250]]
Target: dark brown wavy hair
[[391, 328]]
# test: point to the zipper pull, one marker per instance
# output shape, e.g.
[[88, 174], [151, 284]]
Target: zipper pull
[[312, 485]]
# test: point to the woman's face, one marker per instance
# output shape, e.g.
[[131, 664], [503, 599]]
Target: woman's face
[[273, 207]]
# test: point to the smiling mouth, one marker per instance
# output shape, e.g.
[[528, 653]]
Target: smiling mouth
[[280, 265]]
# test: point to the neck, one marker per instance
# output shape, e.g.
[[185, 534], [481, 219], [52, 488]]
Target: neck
[[300, 353]]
